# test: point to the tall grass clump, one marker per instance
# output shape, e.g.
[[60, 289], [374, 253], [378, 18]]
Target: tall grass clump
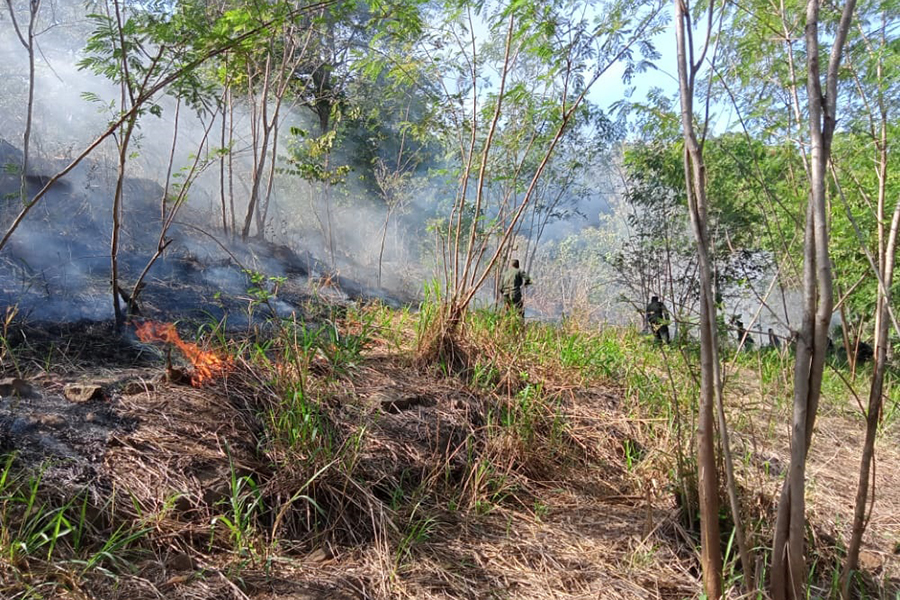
[[287, 379], [535, 377], [239, 513], [438, 338]]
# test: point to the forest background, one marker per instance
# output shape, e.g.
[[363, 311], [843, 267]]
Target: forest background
[[408, 142], [381, 124]]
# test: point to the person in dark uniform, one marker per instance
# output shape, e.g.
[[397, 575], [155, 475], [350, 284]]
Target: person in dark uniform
[[511, 283], [773, 339], [864, 352], [742, 334], [658, 318]]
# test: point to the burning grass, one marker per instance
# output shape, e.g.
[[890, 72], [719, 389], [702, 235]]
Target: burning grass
[[207, 365]]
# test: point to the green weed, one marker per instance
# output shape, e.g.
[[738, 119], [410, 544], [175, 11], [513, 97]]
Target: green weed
[[418, 529], [485, 375], [522, 414], [430, 313], [41, 528], [343, 349], [113, 551], [36, 524], [390, 324], [243, 506], [633, 453], [262, 289], [298, 423]]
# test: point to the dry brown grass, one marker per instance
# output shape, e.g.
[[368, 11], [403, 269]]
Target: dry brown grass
[[761, 414], [418, 489], [419, 494]]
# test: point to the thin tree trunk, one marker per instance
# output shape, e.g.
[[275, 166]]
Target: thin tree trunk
[[711, 379], [459, 209], [29, 115], [261, 225], [695, 186], [876, 391], [788, 577], [384, 229], [231, 163], [329, 228], [169, 217], [28, 43], [285, 72], [117, 221], [259, 154], [782, 574], [845, 335], [479, 190], [163, 205], [882, 318], [222, 163]]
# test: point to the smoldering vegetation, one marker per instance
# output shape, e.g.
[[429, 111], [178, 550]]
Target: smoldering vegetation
[[356, 238], [56, 266]]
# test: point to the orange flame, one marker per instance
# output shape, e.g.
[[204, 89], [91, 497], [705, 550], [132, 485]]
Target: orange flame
[[207, 365]]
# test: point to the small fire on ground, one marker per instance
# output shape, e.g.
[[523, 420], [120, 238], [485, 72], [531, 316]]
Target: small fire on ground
[[207, 365]]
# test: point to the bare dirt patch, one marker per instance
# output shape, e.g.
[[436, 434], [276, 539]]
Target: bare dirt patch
[[763, 440]]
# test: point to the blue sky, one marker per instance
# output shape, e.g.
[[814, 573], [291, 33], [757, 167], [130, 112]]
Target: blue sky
[[610, 88]]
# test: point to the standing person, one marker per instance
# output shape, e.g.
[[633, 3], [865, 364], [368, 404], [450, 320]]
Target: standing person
[[744, 338], [773, 339], [511, 284], [658, 317]]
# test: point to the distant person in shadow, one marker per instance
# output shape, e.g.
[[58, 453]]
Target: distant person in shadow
[[658, 318], [774, 342], [742, 335], [511, 283], [862, 350]]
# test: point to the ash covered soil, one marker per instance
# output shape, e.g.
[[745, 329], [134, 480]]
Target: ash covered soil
[[413, 494], [102, 421]]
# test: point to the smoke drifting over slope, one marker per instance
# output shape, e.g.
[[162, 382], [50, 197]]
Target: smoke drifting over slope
[[57, 265]]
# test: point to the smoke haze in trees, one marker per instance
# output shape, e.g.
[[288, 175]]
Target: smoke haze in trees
[[57, 264]]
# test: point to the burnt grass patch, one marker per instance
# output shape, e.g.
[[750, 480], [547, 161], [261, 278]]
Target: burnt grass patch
[[372, 466], [327, 462], [76, 345]]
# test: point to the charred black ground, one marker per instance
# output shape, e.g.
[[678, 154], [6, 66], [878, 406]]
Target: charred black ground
[[56, 269], [414, 471]]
